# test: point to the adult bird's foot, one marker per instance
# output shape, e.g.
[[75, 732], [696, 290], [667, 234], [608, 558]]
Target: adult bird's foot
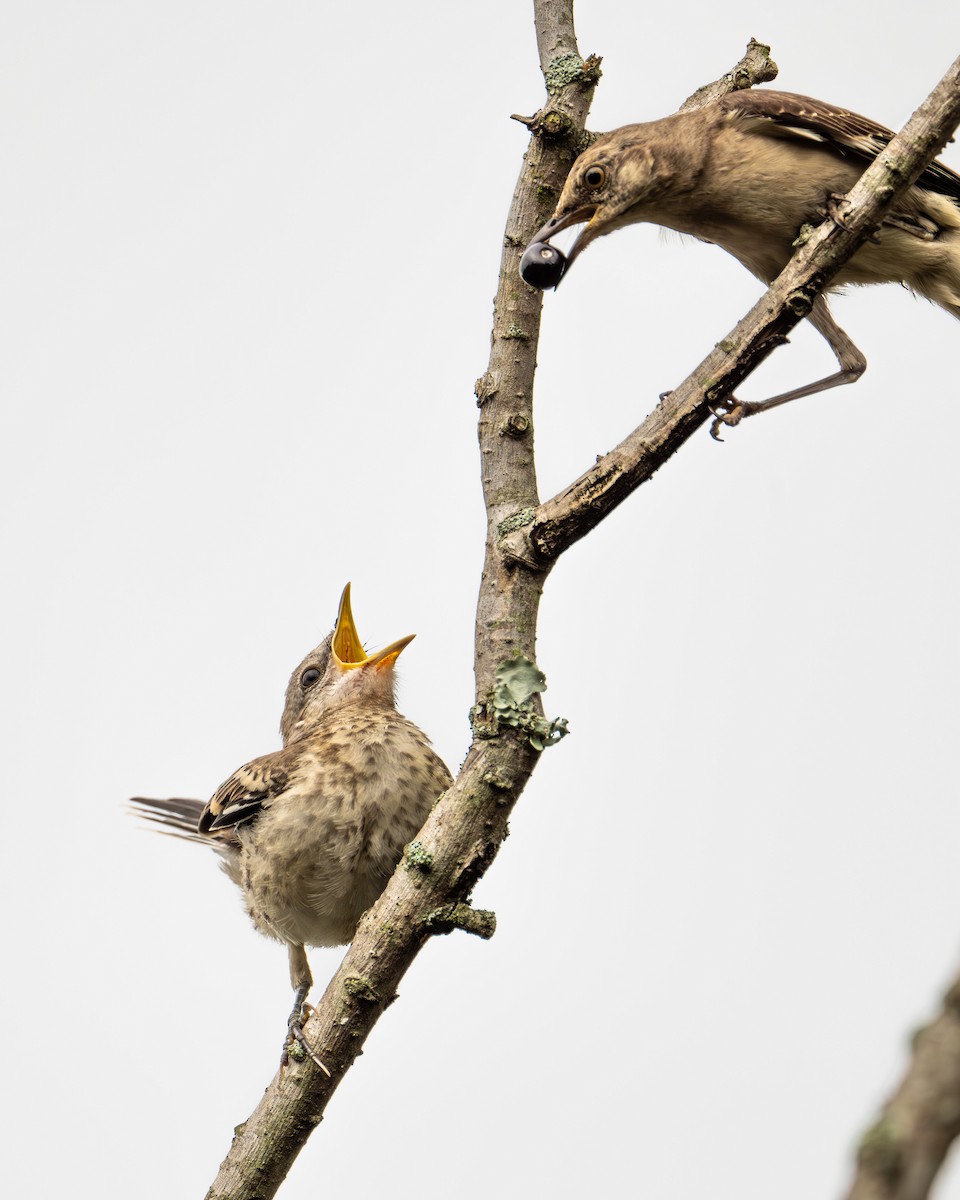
[[729, 413], [838, 206], [296, 1046]]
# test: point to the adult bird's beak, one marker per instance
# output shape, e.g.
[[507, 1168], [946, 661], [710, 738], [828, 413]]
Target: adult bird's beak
[[348, 652], [542, 266], [585, 213]]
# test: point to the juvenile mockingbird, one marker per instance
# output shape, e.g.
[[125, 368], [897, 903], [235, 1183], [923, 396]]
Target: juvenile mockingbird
[[311, 833], [746, 172]]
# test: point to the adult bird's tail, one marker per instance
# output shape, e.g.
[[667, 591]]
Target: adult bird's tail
[[937, 256]]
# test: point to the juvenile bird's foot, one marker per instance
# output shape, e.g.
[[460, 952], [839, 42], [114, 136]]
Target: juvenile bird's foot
[[296, 1045]]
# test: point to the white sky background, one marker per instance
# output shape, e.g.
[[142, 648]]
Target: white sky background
[[249, 257]]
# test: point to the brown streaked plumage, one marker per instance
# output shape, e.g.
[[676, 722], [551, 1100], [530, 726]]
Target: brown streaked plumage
[[312, 832], [746, 172]]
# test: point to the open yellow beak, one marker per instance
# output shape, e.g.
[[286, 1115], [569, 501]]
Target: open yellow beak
[[348, 653]]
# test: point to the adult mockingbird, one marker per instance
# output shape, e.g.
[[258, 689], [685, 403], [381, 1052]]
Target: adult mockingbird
[[746, 172]]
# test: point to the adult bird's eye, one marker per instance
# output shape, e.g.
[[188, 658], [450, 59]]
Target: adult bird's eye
[[594, 177], [309, 677]]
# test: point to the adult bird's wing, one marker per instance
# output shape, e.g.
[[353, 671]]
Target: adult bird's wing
[[783, 114]]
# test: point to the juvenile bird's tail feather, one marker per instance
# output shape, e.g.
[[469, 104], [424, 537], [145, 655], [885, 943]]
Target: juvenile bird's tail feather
[[176, 818]]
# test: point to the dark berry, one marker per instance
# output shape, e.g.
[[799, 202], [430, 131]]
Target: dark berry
[[542, 265]]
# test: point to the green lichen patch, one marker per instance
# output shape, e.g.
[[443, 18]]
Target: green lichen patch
[[478, 921], [571, 68], [803, 236], [879, 1150], [417, 857], [568, 68], [517, 681], [516, 521], [360, 988], [515, 333]]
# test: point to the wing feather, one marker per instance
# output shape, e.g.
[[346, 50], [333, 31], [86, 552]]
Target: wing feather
[[248, 790], [784, 114]]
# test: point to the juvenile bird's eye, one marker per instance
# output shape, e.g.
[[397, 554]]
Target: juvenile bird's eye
[[594, 177], [309, 677]]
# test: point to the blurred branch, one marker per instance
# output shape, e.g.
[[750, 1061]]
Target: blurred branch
[[550, 529], [900, 1155]]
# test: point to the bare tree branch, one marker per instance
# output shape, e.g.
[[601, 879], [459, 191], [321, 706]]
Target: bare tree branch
[[428, 893], [755, 67], [900, 1155], [546, 532]]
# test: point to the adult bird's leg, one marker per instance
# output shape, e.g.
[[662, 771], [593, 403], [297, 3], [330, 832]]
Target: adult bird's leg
[[302, 982], [851, 361]]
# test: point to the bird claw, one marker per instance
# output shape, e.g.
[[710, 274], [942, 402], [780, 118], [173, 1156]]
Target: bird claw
[[837, 208], [729, 412], [296, 1046]]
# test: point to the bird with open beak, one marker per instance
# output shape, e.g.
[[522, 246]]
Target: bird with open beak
[[746, 172], [311, 833]]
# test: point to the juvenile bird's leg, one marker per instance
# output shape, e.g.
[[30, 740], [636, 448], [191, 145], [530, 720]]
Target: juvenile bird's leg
[[852, 365], [302, 982]]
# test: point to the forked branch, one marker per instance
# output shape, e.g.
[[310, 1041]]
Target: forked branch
[[430, 891]]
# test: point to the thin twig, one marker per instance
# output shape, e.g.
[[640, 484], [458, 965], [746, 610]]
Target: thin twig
[[755, 67]]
